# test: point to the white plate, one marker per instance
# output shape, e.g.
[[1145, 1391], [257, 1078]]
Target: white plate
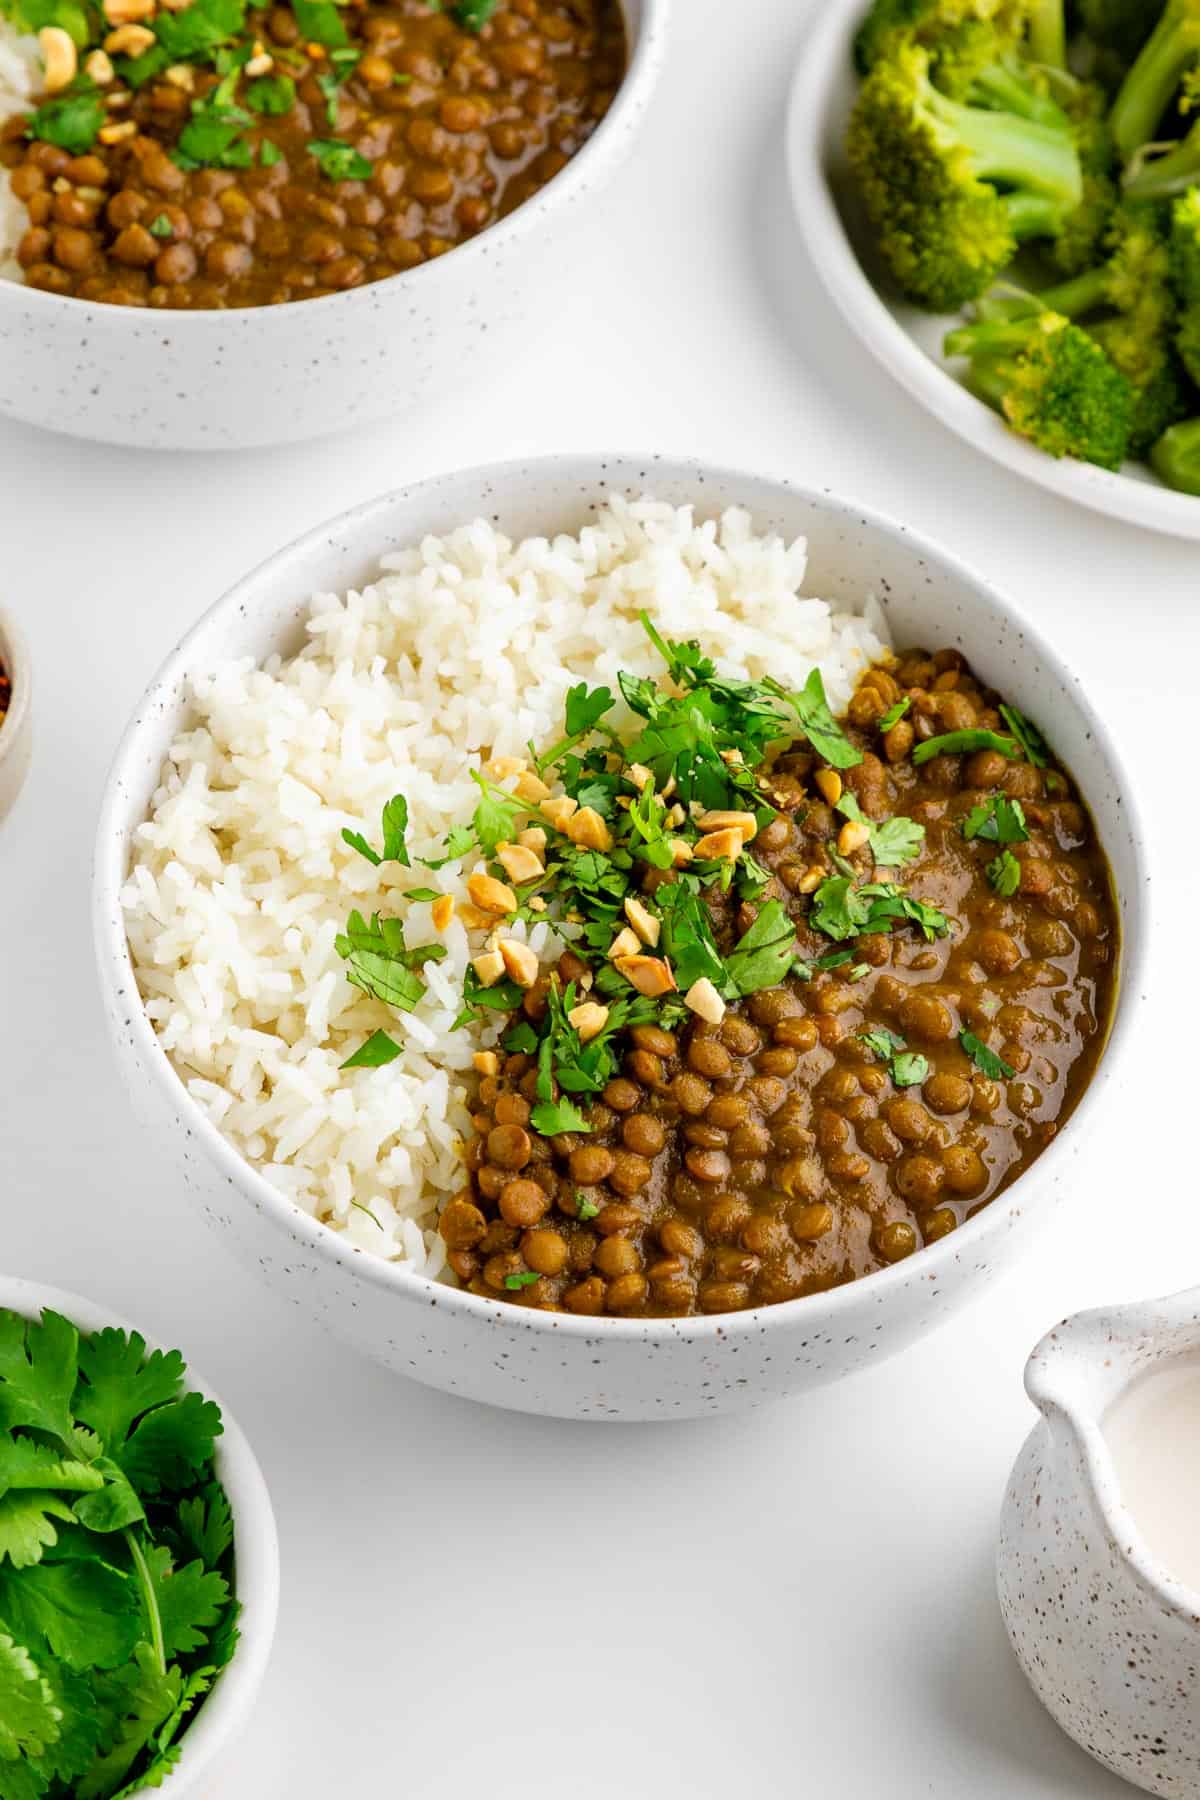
[[904, 339]]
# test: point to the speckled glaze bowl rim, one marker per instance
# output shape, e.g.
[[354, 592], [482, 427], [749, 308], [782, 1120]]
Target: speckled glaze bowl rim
[[227, 1707], [18, 665], [628, 107], [1052, 1396], [605, 469]]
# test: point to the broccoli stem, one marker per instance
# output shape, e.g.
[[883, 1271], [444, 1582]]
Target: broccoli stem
[[1004, 87], [1159, 177], [1150, 85], [1048, 33], [990, 382], [1081, 295], [1176, 457], [1021, 153], [990, 338], [1032, 215]]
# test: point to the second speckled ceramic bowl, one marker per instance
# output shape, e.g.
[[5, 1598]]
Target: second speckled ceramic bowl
[[275, 374], [1109, 1639], [554, 1362]]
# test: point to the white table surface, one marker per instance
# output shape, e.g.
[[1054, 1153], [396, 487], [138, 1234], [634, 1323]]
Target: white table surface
[[481, 1601]]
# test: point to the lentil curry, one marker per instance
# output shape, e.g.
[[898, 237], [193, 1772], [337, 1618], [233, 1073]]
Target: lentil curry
[[207, 154], [832, 987]]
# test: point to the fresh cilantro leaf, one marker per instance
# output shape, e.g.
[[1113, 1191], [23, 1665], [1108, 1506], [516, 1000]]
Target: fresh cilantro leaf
[[30, 1722], [271, 95], [991, 1065], [909, 1069], [996, 820], [906, 1067], [954, 743], [837, 909], [121, 1380], [115, 1505], [381, 964], [818, 723], [502, 996], [86, 1612], [330, 80], [687, 938], [552, 1117], [320, 23], [1004, 873], [750, 878], [26, 1526], [586, 706], [168, 1447], [496, 815], [585, 1207], [141, 1697], [212, 137], [206, 1524], [38, 1368], [763, 954], [1036, 749], [525, 1278], [521, 1039], [422, 893], [459, 841], [395, 826], [894, 714], [896, 841], [25, 1463], [70, 120], [268, 153], [376, 1053], [473, 15], [136, 71], [189, 1600], [160, 227], [841, 910], [193, 34], [30, 16], [338, 161], [883, 1042]]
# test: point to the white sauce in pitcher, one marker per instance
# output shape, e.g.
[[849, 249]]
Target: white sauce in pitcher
[[1153, 1434]]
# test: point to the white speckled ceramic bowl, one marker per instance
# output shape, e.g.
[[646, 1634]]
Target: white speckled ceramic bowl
[[226, 1709], [903, 338], [276, 374], [1108, 1638], [550, 1362], [16, 730]]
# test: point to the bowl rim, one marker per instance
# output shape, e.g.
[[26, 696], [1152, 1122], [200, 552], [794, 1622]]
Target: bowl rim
[[825, 54], [607, 468], [14, 654], [227, 1706], [648, 40]]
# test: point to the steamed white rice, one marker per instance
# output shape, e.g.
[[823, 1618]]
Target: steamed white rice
[[463, 649], [20, 85]]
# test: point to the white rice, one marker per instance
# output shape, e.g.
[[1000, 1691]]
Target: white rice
[[20, 85], [463, 649]]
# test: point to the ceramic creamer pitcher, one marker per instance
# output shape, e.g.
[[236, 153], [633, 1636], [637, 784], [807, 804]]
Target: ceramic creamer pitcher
[[1108, 1637]]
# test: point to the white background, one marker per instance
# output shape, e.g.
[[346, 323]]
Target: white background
[[798, 1601]]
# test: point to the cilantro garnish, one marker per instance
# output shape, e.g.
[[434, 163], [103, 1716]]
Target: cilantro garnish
[[522, 1279], [272, 95], [395, 846], [116, 1560], [996, 820], [906, 1067], [954, 743], [376, 1053], [473, 15], [818, 723], [585, 1207], [1036, 749], [198, 31], [841, 910], [343, 64], [991, 1065], [269, 154], [160, 227], [320, 23], [213, 136], [894, 714], [1004, 873], [70, 120], [550, 1117], [338, 161], [896, 841], [381, 964], [763, 954]]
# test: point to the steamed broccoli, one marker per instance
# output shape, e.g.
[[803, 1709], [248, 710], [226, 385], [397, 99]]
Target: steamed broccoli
[[1085, 105], [1119, 26], [1185, 272], [1152, 83], [952, 189], [1176, 457], [1151, 176], [975, 48], [1053, 384]]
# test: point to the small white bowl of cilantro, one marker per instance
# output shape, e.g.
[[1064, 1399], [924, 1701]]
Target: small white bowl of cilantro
[[139, 1566]]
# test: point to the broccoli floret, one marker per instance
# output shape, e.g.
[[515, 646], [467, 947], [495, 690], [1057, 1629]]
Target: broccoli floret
[[1078, 244], [1185, 273], [962, 34], [1152, 83], [951, 189], [1176, 457], [1053, 384]]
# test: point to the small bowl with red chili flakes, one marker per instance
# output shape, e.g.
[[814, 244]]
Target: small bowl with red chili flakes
[[226, 224], [16, 729]]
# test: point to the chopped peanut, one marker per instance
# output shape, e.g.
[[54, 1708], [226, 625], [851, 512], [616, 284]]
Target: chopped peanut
[[853, 835], [587, 829], [719, 845], [648, 974], [534, 838], [182, 76], [626, 943], [743, 822], [504, 766], [559, 810], [639, 775], [116, 134], [810, 881], [60, 58], [828, 784], [705, 1001], [643, 921], [486, 1062], [520, 961], [589, 1020], [536, 903], [128, 12], [490, 895], [261, 63], [129, 40], [518, 863], [489, 967], [99, 68], [473, 918], [442, 911], [681, 852], [531, 787]]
